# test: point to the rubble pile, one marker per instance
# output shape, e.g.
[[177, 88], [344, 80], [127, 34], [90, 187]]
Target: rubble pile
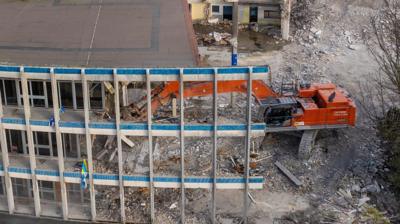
[[214, 38]]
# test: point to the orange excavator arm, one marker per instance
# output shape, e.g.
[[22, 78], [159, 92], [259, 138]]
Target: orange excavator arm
[[171, 89]]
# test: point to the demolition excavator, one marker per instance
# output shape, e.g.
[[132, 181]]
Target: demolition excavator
[[308, 106], [301, 107]]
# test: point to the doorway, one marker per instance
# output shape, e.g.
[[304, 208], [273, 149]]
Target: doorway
[[227, 12], [253, 14]]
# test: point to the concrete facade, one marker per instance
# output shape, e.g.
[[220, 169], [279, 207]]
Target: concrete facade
[[42, 144], [263, 12]]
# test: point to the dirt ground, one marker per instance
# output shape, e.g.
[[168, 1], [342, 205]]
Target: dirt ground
[[343, 179]]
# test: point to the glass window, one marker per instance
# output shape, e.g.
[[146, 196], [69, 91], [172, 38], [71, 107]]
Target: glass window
[[22, 187], [96, 96], [10, 92], [65, 92], [14, 141], [2, 186], [272, 12], [215, 8], [46, 190], [79, 95]]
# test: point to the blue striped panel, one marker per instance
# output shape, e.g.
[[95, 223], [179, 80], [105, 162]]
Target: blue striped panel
[[19, 170], [167, 179], [9, 69], [13, 121], [138, 71], [71, 124], [198, 71], [234, 127], [138, 126], [134, 126], [39, 123], [233, 70], [131, 71], [67, 71], [98, 71], [98, 176], [165, 127], [53, 173], [36, 70], [165, 71], [198, 180], [136, 178], [103, 125], [261, 69], [72, 174], [203, 127], [258, 180]]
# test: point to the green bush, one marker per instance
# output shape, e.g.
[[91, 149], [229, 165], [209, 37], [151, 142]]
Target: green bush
[[389, 129]]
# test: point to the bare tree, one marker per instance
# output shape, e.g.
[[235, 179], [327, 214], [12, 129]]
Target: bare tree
[[384, 44]]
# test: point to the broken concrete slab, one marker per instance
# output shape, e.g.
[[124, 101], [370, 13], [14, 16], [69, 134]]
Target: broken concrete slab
[[285, 171]]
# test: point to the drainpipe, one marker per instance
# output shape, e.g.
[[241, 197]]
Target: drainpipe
[[235, 33]]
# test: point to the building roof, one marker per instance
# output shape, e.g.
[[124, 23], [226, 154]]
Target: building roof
[[97, 33]]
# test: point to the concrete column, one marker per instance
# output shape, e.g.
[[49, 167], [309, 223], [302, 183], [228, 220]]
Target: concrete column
[[182, 143], [29, 134], [248, 146], [6, 163], [174, 109], [150, 139], [86, 100], [119, 147], [285, 19], [215, 147], [125, 93], [60, 151]]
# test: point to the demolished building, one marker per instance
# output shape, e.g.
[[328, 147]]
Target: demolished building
[[59, 110], [261, 12]]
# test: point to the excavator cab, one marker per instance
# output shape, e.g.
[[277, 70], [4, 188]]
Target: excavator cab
[[278, 112]]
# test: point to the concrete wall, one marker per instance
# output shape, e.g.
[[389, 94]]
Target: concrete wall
[[244, 14], [244, 11], [267, 21], [199, 11]]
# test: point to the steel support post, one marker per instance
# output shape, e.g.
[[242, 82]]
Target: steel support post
[[248, 145], [86, 100], [60, 151], [31, 148], [119, 146], [6, 163], [182, 143], [150, 139], [215, 147]]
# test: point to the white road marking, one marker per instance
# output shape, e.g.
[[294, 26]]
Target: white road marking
[[94, 32]]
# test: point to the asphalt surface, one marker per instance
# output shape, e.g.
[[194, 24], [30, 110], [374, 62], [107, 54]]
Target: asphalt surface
[[96, 33]]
